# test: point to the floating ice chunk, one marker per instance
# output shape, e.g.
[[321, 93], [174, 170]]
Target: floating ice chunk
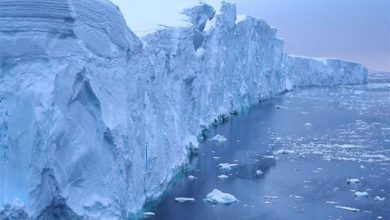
[[359, 194], [184, 200], [347, 146], [331, 202], [259, 172], [148, 214], [270, 197], [295, 196], [223, 177], [308, 124], [227, 166], [280, 107], [353, 181], [216, 158], [191, 177], [218, 197], [219, 138], [378, 198], [348, 208]]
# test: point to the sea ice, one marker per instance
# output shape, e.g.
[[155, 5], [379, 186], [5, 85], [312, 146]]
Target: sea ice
[[359, 194], [223, 177], [348, 208], [219, 138], [353, 181], [218, 197], [380, 199], [184, 199], [227, 166]]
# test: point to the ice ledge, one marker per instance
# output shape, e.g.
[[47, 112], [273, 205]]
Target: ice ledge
[[92, 124]]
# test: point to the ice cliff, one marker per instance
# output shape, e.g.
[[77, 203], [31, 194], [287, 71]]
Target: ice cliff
[[94, 121]]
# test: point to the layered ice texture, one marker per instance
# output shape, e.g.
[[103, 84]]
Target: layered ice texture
[[95, 122]]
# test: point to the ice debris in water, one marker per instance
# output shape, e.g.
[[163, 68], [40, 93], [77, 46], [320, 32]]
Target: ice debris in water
[[191, 177], [149, 214], [378, 198], [184, 199], [223, 177], [331, 202], [295, 196], [226, 166], [353, 181], [359, 194], [219, 138], [259, 172], [218, 197], [308, 124], [348, 208], [270, 197], [280, 107]]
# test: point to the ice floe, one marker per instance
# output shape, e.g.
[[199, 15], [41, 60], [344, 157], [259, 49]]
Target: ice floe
[[380, 199], [348, 208], [218, 197], [359, 194], [353, 181], [184, 200], [148, 214], [227, 166], [223, 177], [219, 138], [191, 177]]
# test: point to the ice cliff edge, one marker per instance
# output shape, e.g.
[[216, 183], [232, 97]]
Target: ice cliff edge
[[95, 122]]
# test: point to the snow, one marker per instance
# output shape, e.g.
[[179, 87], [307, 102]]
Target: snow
[[184, 199], [219, 138], [97, 121], [218, 197]]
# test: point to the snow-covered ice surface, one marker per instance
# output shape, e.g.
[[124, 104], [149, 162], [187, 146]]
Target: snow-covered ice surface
[[344, 174], [95, 121]]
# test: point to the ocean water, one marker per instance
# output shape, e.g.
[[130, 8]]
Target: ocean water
[[294, 155]]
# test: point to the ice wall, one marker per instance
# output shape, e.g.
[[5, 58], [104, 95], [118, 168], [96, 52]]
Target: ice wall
[[95, 122]]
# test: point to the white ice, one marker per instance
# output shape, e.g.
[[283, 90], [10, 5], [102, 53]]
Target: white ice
[[218, 197]]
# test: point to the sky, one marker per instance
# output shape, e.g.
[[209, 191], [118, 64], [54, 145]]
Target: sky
[[355, 30]]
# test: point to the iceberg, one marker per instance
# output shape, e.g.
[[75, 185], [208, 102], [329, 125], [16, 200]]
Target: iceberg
[[95, 121]]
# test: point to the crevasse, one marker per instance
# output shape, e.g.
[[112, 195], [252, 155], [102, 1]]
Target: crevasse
[[94, 121]]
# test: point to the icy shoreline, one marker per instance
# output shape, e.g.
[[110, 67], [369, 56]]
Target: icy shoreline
[[95, 122]]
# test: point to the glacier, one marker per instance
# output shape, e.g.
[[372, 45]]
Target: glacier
[[95, 122]]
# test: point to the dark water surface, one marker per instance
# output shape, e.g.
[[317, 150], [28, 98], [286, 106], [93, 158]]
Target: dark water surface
[[306, 150]]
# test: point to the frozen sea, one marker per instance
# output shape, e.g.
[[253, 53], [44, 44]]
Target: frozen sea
[[294, 156]]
